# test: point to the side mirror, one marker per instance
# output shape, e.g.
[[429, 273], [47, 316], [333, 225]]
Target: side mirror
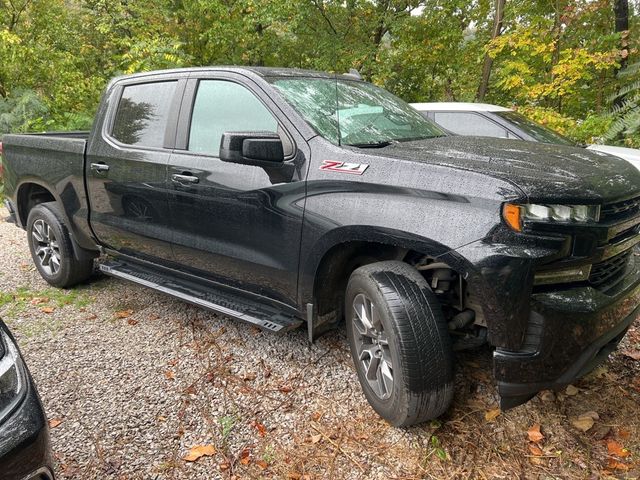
[[263, 149]]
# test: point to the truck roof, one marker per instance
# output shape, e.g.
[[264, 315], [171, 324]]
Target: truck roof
[[458, 107], [260, 71]]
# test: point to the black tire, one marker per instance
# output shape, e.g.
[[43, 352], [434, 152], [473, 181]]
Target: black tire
[[60, 268], [417, 353]]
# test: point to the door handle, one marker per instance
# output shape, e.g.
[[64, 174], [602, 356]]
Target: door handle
[[100, 167], [184, 178]]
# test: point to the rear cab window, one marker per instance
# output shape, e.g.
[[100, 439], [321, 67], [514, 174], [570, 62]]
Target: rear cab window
[[142, 114]]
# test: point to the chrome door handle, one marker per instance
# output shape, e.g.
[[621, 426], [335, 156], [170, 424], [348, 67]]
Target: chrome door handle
[[99, 167], [182, 178]]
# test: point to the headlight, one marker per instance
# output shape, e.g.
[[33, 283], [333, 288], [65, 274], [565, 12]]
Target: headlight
[[516, 215], [13, 382]]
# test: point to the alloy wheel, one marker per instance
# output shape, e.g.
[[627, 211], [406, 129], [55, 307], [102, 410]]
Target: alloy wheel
[[372, 346], [46, 247]]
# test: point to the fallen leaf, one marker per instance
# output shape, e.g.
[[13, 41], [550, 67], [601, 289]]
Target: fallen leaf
[[199, 451], [285, 389], [534, 433], [224, 466], [293, 476], [633, 354], [614, 448], [169, 374], [616, 465], [38, 300], [316, 416], [535, 450], [262, 430], [47, 309], [316, 438], [624, 433], [571, 391], [585, 421], [547, 396], [54, 422], [491, 415], [124, 313], [591, 414], [131, 321], [245, 456], [262, 464]]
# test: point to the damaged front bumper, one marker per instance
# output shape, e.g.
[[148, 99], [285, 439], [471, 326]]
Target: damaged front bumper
[[569, 333]]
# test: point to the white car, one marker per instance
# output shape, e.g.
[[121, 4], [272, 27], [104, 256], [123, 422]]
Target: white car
[[485, 120]]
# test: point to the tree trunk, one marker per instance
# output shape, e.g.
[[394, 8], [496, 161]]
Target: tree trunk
[[621, 10], [488, 61]]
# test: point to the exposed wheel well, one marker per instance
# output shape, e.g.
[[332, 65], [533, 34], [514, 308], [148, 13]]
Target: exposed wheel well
[[335, 269], [30, 195], [339, 262]]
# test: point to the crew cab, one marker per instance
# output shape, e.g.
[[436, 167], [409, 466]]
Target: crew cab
[[288, 198]]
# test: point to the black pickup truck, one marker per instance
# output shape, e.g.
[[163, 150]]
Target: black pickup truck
[[289, 198]]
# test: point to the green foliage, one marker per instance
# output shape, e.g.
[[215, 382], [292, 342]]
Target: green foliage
[[625, 114], [21, 111], [556, 59]]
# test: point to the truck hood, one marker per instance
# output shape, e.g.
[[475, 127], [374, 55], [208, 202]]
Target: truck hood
[[542, 171]]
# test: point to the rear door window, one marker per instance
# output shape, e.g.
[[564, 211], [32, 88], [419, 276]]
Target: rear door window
[[466, 123], [143, 113]]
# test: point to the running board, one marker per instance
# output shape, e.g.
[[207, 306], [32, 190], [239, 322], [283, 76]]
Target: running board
[[223, 302]]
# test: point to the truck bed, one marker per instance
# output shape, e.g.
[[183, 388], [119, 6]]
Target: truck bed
[[54, 161]]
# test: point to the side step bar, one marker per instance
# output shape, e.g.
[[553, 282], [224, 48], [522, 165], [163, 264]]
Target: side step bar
[[219, 301]]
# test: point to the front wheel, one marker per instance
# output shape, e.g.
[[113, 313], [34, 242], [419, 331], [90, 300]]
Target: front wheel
[[399, 342], [51, 248]]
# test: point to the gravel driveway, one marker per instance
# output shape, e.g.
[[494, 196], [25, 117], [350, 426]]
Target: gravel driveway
[[131, 380]]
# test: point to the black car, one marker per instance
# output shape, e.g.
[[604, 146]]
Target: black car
[[25, 452]]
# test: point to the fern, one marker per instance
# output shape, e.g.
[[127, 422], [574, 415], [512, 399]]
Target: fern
[[625, 109]]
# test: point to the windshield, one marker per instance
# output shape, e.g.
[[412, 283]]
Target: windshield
[[535, 130], [356, 113]]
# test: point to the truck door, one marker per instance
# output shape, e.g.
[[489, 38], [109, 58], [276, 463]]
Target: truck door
[[236, 224], [126, 168]]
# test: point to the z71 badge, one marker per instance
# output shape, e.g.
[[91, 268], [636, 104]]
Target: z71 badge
[[342, 167]]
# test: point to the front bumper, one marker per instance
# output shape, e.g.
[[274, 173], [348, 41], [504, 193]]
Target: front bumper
[[569, 333]]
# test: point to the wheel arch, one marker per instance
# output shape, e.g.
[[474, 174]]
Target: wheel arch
[[325, 273], [32, 192]]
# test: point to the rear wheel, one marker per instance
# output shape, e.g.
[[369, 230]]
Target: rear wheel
[[51, 247], [399, 343]]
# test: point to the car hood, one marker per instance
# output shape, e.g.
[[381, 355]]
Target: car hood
[[542, 171]]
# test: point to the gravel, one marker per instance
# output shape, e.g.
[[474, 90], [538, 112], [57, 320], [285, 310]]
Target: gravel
[[134, 379]]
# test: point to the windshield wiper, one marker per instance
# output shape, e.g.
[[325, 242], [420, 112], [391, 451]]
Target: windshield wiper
[[384, 143]]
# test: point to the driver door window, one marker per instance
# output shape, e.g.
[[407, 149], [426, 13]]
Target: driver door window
[[222, 106]]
